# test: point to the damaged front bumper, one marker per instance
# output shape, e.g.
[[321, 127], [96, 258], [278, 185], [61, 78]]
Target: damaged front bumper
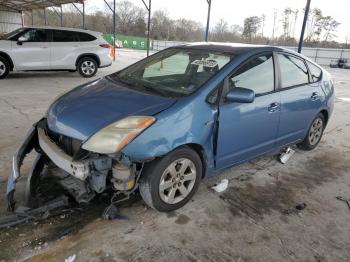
[[82, 178], [30, 141]]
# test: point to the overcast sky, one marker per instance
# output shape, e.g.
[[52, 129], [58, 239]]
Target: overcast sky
[[234, 11]]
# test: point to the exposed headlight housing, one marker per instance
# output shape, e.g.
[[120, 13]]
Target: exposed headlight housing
[[116, 136]]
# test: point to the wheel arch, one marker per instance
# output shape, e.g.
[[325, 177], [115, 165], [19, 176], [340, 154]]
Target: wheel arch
[[325, 113], [90, 55], [8, 58], [200, 152]]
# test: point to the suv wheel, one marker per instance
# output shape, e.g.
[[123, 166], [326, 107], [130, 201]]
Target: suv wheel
[[314, 134], [4, 67], [170, 182], [87, 67]]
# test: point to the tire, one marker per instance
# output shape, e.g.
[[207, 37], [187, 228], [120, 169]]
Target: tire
[[87, 67], [178, 186], [4, 67], [314, 133]]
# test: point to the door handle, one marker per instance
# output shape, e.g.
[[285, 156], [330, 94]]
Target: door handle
[[273, 107], [314, 96], [44, 47]]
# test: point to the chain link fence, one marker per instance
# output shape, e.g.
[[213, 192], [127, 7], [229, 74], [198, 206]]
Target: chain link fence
[[322, 56]]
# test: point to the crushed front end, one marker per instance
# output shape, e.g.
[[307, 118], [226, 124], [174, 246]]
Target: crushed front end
[[81, 173]]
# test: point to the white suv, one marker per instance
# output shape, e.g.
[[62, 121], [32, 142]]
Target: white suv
[[53, 48]]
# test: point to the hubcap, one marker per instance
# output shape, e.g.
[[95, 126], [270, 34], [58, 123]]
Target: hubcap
[[177, 181], [316, 131], [88, 67], [2, 68]]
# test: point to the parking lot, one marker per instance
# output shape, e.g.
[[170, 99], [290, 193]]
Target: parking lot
[[255, 219]]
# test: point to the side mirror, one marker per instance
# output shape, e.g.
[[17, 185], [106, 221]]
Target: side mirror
[[20, 40], [240, 95]]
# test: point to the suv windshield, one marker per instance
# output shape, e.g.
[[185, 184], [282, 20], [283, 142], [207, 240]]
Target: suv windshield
[[10, 35], [175, 72]]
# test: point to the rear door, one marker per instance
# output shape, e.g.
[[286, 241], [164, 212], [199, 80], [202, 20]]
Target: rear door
[[33, 51], [248, 130], [65, 49], [301, 98]]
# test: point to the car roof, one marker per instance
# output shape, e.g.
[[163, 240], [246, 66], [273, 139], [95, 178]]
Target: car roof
[[234, 48], [66, 29]]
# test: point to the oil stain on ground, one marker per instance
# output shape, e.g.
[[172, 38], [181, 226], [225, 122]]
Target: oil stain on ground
[[35, 235], [182, 219], [255, 200]]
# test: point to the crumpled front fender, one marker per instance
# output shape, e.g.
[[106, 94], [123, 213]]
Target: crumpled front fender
[[30, 142]]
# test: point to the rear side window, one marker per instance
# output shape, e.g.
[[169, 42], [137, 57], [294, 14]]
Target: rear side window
[[65, 36], [257, 74], [315, 72], [293, 71], [84, 37]]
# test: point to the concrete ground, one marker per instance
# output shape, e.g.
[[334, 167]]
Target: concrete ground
[[255, 219]]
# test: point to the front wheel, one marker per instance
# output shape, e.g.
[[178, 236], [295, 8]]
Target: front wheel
[[4, 67], [87, 67], [314, 134], [168, 183]]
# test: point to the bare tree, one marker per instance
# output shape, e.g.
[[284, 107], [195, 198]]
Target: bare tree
[[162, 26], [251, 27]]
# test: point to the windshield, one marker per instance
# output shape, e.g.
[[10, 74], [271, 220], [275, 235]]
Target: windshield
[[10, 35], [174, 72]]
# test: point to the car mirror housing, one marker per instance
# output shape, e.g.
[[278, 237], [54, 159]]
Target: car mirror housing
[[20, 40], [240, 95]]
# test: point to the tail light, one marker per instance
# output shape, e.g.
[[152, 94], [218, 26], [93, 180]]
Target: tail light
[[105, 46]]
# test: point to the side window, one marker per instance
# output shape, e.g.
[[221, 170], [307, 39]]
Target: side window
[[64, 36], [293, 71], [34, 35], [315, 71], [84, 37], [257, 74]]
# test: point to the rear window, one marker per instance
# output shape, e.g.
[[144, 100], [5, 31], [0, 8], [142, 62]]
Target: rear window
[[316, 72], [65, 36], [84, 37]]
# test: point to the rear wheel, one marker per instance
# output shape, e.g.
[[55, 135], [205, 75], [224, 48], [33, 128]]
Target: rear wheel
[[87, 67], [170, 182], [314, 134], [4, 67]]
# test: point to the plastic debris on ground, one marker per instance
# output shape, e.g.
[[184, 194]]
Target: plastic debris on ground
[[70, 258], [286, 155], [221, 187]]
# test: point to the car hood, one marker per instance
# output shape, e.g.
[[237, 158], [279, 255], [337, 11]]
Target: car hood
[[86, 109]]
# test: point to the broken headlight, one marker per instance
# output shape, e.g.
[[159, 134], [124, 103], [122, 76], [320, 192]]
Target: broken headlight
[[116, 136]]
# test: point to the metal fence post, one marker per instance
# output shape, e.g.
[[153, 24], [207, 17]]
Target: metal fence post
[[316, 55]]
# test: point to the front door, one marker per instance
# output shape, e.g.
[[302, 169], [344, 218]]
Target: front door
[[32, 52], [248, 130]]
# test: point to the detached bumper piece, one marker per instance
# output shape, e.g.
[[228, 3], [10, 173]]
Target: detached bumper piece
[[25, 214], [26, 147]]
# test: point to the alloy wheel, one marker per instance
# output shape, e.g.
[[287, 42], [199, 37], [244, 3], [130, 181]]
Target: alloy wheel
[[88, 68], [177, 181], [316, 130]]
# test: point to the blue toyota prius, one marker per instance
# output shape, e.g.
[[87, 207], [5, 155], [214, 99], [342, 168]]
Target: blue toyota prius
[[162, 124]]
